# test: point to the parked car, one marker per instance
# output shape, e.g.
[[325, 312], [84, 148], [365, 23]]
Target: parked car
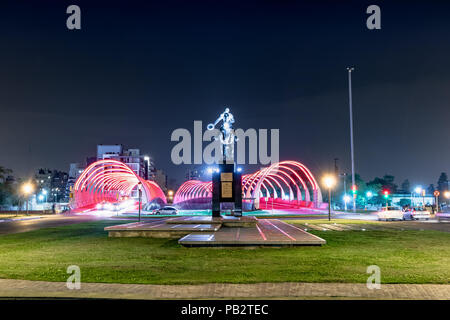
[[390, 213], [416, 214], [166, 211]]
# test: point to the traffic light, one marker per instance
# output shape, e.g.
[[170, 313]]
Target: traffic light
[[354, 189], [386, 193]]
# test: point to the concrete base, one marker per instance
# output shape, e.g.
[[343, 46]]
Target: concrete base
[[158, 229], [266, 233], [219, 232], [225, 221]]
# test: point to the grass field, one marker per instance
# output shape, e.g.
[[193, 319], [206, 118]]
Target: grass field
[[403, 256]]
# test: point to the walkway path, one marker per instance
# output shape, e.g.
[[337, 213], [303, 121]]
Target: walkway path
[[25, 288]]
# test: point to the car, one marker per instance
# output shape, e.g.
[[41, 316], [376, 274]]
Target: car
[[440, 216], [416, 214], [390, 213], [167, 210]]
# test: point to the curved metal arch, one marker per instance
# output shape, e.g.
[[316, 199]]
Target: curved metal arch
[[285, 175], [107, 180]]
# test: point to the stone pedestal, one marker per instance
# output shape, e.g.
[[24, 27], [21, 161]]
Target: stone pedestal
[[226, 188]]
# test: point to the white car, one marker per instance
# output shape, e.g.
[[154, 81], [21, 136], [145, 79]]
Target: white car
[[390, 213], [416, 214], [166, 211]]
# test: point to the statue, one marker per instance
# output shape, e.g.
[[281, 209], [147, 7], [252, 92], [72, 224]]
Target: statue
[[227, 137]]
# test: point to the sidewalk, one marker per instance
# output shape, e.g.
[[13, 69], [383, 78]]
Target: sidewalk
[[25, 288]]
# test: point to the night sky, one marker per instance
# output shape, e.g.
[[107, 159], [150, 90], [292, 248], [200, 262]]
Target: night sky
[[137, 70]]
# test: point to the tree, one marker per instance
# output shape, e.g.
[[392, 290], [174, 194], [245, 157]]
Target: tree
[[7, 194], [4, 173], [430, 189], [386, 183]]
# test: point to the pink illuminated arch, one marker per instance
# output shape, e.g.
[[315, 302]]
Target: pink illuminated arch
[[111, 181], [288, 183]]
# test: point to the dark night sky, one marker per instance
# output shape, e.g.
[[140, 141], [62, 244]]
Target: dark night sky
[[138, 70]]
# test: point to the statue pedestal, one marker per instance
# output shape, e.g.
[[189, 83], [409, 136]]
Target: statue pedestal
[[226, 187]]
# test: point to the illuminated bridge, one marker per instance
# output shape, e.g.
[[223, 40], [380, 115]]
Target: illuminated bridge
[[112, 181], [287, 184], [283, 185]]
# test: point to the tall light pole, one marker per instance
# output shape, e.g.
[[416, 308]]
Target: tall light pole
[[27, 189], [140, 197], [344, 175], [350, 69], [329, 182]]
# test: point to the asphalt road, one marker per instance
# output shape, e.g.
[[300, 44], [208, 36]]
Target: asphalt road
[[17, 226]]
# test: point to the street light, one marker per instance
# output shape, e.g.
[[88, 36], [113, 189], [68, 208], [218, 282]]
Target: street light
[[419, 191], [44, 192], [329, 182], [140, 197], [350, 69], [27, 189], [347, 199]]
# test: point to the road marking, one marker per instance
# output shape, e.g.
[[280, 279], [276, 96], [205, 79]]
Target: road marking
[[261, 233], [283, 232]]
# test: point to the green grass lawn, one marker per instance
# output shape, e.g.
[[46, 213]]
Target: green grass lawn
[[403, 256]]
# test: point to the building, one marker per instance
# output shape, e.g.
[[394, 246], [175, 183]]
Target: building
[[161, 180], [196, 174], [43, 178], [141, 165], [75, 170], [411, 198], [52, 184]]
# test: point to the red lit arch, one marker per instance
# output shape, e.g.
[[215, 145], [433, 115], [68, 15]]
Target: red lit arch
[[111, 180]]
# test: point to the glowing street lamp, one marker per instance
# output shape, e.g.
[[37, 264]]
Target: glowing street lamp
[[369, 194], [27, 189], [329, 182], [44, 192], [447, 194], [347, 199], [170, 195]]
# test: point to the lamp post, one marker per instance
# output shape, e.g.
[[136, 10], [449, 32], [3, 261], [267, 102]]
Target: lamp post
[[447, 194], [418, 190], [347, 199], [350, 69], [329, 182], [344, 175], [27, 189], [140, 197], [423, 198]]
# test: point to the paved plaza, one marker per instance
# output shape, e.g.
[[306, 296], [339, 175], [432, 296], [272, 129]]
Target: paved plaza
[[291, 290]]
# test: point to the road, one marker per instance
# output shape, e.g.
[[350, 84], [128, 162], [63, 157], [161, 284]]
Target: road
[[17, 226]]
